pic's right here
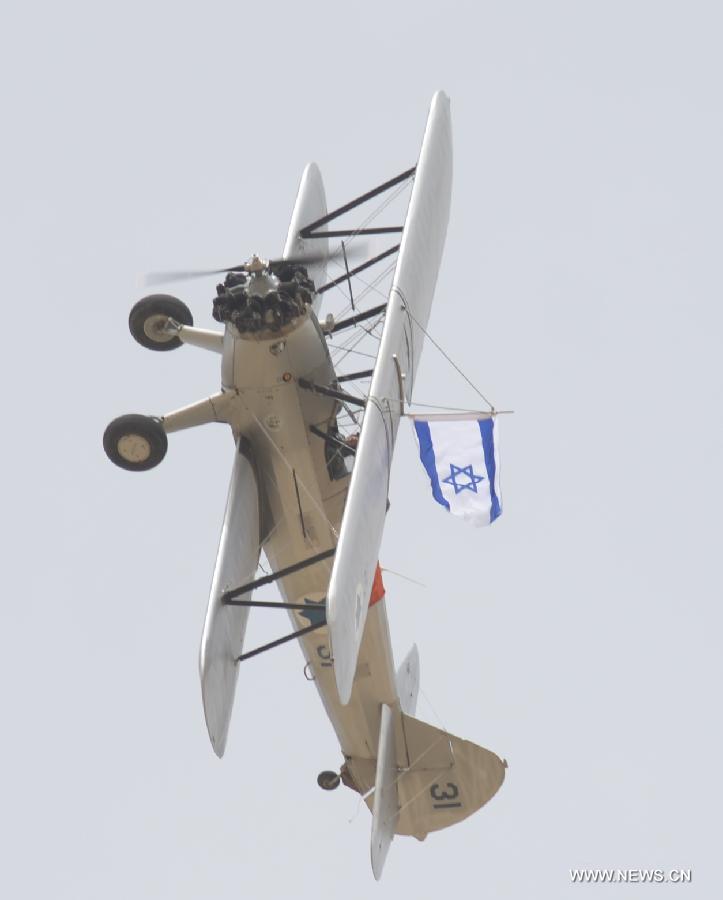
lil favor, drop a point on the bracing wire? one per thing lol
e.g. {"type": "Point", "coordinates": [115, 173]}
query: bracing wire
{"type": "Point", "coordinates": [447, 357]}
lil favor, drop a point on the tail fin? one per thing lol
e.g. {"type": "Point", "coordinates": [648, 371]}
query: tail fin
{"type": "Point", "coordinates": [408, 681]}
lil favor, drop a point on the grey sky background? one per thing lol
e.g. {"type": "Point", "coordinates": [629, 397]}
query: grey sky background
{"type": "Point", "coordinates": [579, 637]}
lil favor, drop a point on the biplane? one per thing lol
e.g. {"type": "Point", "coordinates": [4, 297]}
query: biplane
{"type": "Point", "coordinates": [314, 498]}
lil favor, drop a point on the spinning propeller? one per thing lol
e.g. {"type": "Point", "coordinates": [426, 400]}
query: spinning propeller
{"type": "Point", "coordinates": [256, 265]}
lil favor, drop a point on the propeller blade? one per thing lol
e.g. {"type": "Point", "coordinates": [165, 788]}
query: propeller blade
{"type": "Point", "coordinates": [161, 277]}
{"type": "Point", "coordinates": [310, 259]}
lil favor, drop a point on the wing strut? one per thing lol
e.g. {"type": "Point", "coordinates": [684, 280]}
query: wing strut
{"type": "Point", "coordinates": [277, 604]}
{"type": "Point", "coordinates": [354, 320]}
{"type": "Point", "coordinates": [283, 640]}
{"type": "Point", "coordinates": [330, 392]}
{"type": "Point", "coordinates": [357, 269]}
{"type": "Point", "coordinates": [228, 597]}
{"type": "Point", "coordinates": [353, 376]}
{"type": "Point", "coordinates": [311, 231]}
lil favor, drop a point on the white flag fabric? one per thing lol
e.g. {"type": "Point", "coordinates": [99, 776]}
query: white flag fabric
{"type": "Point", "coordinates": [460, 456]}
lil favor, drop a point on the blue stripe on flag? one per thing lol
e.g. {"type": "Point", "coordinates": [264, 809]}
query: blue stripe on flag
{"type": "Point", "coordinates": [426, 454]}
{"type": "Point", "coordinates": [486, 427]}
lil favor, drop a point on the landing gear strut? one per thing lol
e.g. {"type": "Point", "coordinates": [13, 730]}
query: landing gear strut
{"type": "Point", "coordinates": [148, 318]}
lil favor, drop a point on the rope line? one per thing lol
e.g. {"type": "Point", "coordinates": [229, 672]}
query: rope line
{"type": "Point", "coordinates": [446, 356]}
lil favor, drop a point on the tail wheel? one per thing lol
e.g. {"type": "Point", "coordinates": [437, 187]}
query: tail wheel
{"type": "Point", "coordinates": [148, 318]}
{"type": "Point", "coordinates": [135, 443]}
{"type": "Point", "coordinates": [328, 781]}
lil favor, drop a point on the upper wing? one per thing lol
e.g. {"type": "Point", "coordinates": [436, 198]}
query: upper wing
{"type": "Point", "coordinates": [223, 632]}
{"type": "Point", "coordinates": [410, 300]}
{"type": "Point", "coordinates": [310, 205]}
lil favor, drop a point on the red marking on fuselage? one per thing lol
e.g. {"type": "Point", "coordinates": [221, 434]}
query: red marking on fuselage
{"type": "Point", "coordinates": [377, 587]}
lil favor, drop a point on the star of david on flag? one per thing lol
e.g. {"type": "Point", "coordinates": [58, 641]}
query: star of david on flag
{"type": "Point", "coordinates": [459, 454]}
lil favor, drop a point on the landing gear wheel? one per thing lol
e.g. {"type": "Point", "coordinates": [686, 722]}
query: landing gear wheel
{"type": "Point", "coordinates": [148, 318]}
{"type": "Point", "coordinates": [136, 443]}
{"type": "Point", "coordinates": [328, 781]}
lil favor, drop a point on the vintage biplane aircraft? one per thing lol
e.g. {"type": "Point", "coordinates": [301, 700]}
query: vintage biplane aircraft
{"type": "Point", "coordinates": [313, 499]}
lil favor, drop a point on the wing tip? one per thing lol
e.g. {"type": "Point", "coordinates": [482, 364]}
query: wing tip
{"type": "Point", "coordinates": [217, 730]}
{"type": "Point", "coordinates": [346, 626]}
{"type": "Point", "coordinates": [218, 688]}
{"type": "Point", "coordinates": [378, 859]}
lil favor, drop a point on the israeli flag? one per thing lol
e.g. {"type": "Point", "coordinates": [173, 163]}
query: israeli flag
{"type": "Point", "coordinates": [460, 456]}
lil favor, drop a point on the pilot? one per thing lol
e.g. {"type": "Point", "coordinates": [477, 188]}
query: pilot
{"type": "Point", "coordinates": [352, 442]}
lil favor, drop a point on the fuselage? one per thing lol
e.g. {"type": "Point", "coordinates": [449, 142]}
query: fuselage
{"type": "Point", "coordinates": [303, 492]}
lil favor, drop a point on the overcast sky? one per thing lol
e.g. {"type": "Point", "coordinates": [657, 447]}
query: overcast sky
{"type": "Point", "coordinates": [579, 637]}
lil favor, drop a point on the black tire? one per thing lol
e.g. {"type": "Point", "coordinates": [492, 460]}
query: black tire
{"type": "Point", "coordinates": [328, 781]}
{"type": "Point", "coordinates": [135, 443]}
{"type": "Point", "coordinates": [148, 316]}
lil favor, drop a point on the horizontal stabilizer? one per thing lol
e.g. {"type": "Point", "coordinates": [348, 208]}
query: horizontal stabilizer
{"type": "Point", "coordinates": [385, 809]}
{"type": "Point", "coordinates": [225, 626]}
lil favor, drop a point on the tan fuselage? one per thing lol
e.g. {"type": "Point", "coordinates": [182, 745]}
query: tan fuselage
{"type": "Point", "coordinates": [303, 506]}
